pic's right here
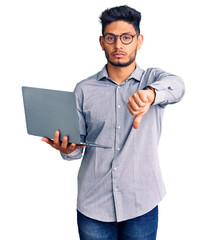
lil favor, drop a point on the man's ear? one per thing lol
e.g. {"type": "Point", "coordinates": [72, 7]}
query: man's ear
{"type": "Point", "coordinates": [140, 41]}
{"type": "Point", "coordinates": [101, 42]}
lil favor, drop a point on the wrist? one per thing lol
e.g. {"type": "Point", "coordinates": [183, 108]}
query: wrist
{"type": "Point", "coordinates": [152, 93]}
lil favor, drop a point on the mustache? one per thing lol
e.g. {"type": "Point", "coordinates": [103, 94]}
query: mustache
{"type": "Point", "coordinates": [118, 52]}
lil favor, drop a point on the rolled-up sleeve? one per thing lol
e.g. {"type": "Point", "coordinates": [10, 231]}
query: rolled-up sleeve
{"type": "Point", "coordinates": [169, 88]}
{"type": "Point", "coordinates": [77, 154]}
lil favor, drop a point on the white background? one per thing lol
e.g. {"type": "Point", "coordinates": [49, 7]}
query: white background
{"type": "Point", "coordinates": [54, 44]}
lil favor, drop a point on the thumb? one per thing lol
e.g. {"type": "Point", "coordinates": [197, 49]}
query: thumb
{"type": "Point", "coordinates": [47, 140]}
{"type": "Point", "coordinates": [137, 121]}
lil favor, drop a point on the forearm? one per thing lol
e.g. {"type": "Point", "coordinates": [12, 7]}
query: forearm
{"type": "Point", "coordinates": [169, 89]}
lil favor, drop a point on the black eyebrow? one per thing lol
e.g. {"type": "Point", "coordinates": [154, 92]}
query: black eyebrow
{"type": "Point", "coordinates": [120, 34]}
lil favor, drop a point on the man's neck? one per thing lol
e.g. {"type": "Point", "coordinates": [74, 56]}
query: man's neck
{"type": "Point", "coordinates": [120, 74]}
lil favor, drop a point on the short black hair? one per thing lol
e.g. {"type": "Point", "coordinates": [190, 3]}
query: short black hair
{"type": "Point", "coordinates": [123, 13]}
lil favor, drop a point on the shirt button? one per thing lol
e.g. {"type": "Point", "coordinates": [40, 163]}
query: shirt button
{"type": "Point", "coordinates": [118, 86]}
{"type": "Point", "coordinates": [118, 149]}
{"type": "Point", "coordinates": [119, 106]}
{"type": "Point", "coordinates": [115, 169]}
{"type": "Point", "coordinates": [118, 127]}
{"type": "Point", "coordinates": [116, 189]}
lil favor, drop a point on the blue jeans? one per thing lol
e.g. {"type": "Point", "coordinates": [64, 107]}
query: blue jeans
{"type": "Point", "coordinates": [140, 228]}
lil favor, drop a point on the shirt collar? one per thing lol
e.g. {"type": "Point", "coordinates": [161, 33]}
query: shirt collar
{"type": "Point", "coordinates": [135, 75]}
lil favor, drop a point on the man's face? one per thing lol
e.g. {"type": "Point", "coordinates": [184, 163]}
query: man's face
{"type": "Point", "coordinates": [119, 54]}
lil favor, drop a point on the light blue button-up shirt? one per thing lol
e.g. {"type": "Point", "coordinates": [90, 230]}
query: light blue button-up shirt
{"type": "Point", "coordinates": [123, 182]}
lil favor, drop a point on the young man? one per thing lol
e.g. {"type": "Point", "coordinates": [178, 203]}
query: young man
{"type": "Point", "coordinates": [121, 106]}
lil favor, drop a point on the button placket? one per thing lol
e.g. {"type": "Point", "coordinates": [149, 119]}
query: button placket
{"type": "Point", "coordinates": [115, 172]}
{"type": "Point", "coordinates": [118, 126]}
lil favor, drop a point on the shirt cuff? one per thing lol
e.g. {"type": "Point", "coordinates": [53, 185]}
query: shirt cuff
{"type": "Point", "coordinates": [160, 97]}
{"type": "Point", "coordinates": [77, 154]}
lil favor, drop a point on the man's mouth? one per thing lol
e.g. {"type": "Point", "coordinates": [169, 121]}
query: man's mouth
{"type": "Point", "coordinates": [118, 54]}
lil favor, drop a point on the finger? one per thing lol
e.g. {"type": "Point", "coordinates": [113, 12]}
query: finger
{"type": "Point", "coordinates": [131, 110]}
{"type": "Point", "coordinates": [56, 138]}
{"type": "Point", "coordinates": [68, 149]}
{"type": "Point", "coordinates": [72, 147]}
{"type": "Point", "coordinates": [64, 142]}
{"type": "Point", "coordinates": [133, 103]}
{"type": "Point", "coordinates": [47, 140]}
{"type": "Point", "coordinates": [137, 121]}
{"type": "Point", "coordinates": [134, 112]}
{"type": "Point", "coordinates": [138, 100]}
{"type": "Point", "coordinates": [143, 95]}
{"type": "Point", "coordinates": [80, 146]}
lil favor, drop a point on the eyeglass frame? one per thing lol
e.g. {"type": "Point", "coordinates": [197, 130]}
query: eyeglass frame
{"type": "Point", "coordinates": [116, 36]}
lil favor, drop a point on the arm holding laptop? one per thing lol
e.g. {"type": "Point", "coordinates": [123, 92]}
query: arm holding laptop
{"type": "Point", "coordinates": [70, 151]}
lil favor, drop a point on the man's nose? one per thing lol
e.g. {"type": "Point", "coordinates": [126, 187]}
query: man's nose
{"type": "Point", "coordinates": [118, 43]}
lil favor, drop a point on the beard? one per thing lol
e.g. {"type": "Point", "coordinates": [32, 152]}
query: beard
{"type": "Point", "coordinates": [121, 64]}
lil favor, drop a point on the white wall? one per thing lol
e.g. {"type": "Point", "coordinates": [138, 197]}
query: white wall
{"type": "Point", "coordinates": [45, 44]}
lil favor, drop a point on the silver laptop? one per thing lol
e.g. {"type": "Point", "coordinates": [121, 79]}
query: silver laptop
{"type": "Point", "coordinates": [49, 110]}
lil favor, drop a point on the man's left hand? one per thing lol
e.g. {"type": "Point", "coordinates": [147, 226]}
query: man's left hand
{"type": "Point", "coordinates": [139, 104]}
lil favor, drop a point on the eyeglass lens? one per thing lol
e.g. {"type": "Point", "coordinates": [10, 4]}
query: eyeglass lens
{"type": "Point", "coordinates": [125, 38]}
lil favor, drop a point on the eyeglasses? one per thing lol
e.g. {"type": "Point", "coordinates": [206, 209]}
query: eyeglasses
{"type": "Point", "coordinates": [125, 38]}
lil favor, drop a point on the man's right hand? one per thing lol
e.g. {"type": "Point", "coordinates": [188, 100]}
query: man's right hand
{"type": "Point", "coordinates": [63, 146]}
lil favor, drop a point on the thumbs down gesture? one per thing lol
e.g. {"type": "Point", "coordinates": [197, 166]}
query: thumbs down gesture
{"type": "Point", "coordinates": [139, 104]}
